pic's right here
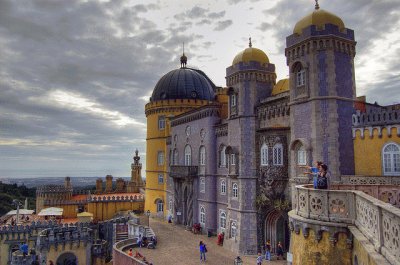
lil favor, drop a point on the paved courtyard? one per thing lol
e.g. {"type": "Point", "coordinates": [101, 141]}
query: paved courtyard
{"type": "Point", "coordinates": [176, 246]}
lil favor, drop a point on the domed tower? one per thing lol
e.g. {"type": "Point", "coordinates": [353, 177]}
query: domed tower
{"type": "Point", "coordinates": [176, 92]}
{"type": "Point", "coordinates": [320, 55]}
{"type": "Point", "coordinates": [250, 79]}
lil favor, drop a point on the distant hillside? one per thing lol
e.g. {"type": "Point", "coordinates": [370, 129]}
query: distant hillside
{"type": "Point", "coordinates": [9, 192]}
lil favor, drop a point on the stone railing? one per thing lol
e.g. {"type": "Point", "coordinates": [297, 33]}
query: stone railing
{"type": "Point", "coordinates": [121, 257]}
{"type": "Point", "coordinates": [183, 171]}
{"type": "Point", "coordinates": [378, 221]}
{"type": "Point", "coordinates": [370, 180]}
{"type": "Point", "coordinates": [377, 117]}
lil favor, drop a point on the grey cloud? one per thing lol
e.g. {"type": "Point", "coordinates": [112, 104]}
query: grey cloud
{"type": "Point", "coordinates": [264, 26]}
{"type": "Point", "coordinates": [215, 15]}
{"type": "Point", "coordinates": [222, 25]}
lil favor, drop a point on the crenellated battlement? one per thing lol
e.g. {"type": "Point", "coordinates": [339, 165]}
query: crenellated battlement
{"type": "Point", "coordinates": [377, 116]}
{"type": "Point", "coordinates": [377, 131]}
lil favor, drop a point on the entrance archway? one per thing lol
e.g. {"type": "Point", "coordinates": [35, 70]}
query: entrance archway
{"type": "Point", "coordinates": [67, 258]}
{"type": "Point", "coordinates": [276, 230]}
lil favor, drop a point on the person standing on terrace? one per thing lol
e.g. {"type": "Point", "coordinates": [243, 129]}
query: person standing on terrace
{"type": "Point", "coordinates": [313, 171]}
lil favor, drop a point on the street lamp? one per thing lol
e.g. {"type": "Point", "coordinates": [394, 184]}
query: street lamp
{"type": "Point", "coordinates": [238, 261]}
{"type": "Point", "coordinates": [148, 217]}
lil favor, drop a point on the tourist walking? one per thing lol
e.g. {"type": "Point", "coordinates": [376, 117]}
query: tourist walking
{"type": "Point", "coordinates": [268, 250]}
{"type": "Point", "coordinates": [139, 240]}
{"type": "Point", "coordinates": [280, 250]}
{"type": "Point", "coordinates": [203, 250]}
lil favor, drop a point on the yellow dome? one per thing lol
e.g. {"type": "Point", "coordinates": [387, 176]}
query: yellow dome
{"type": "Point", "coordinates": [318, 18]}
{"type": "Point", "coordinates": [251, 54]}
{"type": "Point", "coordinates": [280, 87]}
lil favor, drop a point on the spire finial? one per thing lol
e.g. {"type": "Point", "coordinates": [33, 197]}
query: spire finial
{"type": "Point", "coordinates": [183, 57]}
{"type": "Point", "coordinates": [316, 5]}
{"type": "Point", "coordinates": [250, 45]}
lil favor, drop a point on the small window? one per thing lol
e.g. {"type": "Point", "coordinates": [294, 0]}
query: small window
{"type": "Point", "coordinates": [278, 155]}
{"type": "Point", "coordinates": [223, 187]}
{"type": "Point", "coordinates": [160, 179]}
{"type": "Point", "coordinates": [233, 100]}
{"type": "Point", "coordinates": [391, 159]}
{"type": "Point", "coordinates": [264, 155]}
{"type": "Point", "coordinates": [202, 185]}
{"type": "Point", "coordinates": [202, 156]}
{"type": "Point", "coordinates": [223, 157]}
{"type": "Point", "coordinates": [222, 220]}
{"type": "Point", "coordinates": [188, 155]}
{"type": "Point", "coordinates": [202, 215]}
{"type": "Point", "coordinates": [233, 229]}
{"type": "Point", "coordinates": [160, 158]}
{"type": "Point", "coordinates": [233, 159]}
{"type": "Point", "coordinates": [301, 78]}
{"type": "Point", "coordinates": [301, 156]}
{"type": "Point", "coordinates": [235, 190]}
{"type": "Point", "coordinates": [161, 122]}
{"type": "Point", "coordinates": [175, 157]}
{"type": "Point", "coordinates": [160, 206]}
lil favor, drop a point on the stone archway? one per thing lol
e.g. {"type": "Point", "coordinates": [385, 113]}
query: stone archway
{"type": "Point", "coordinates": [67, 258]}
{"type": "Point", "coordinates": [276, 230]}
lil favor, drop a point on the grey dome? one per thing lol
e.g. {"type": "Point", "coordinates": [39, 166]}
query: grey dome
{"type": "Point", "coordinates": [184, 83]}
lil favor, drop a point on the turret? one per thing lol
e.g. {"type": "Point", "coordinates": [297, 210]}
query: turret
{"type": "Point", "coordinates": [109, 179]}
{"type": "Point", "coordinates": [99, 186]}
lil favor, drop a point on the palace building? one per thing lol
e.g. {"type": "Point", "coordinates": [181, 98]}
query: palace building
{"type": "Point", "coordinates": [228, 157]}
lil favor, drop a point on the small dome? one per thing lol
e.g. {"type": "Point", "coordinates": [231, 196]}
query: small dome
{"type": "Point", "coordinates": [251, 54]}
{"type": "Point", "coordinates": [318, 18]}
{"type": "Point", "coordinates": [184, 83]}
{"type": "Point", "coordinates": [280, 87]}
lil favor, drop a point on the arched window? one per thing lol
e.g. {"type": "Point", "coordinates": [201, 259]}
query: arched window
{"type": "Point", "coordinates": [391, 159]}
{"type": "Point", "coordinates": [160, 206]}
{"type": "Point", "coordinates": [301, 156]}
{"type": "Point", "coordinates": [188, 155]}
{"type": "Point", "coordinates": [235, 190]}
{"type": "Point", "coordinates": [202, 215]}
{"type": "Point", "coordinates": [222, 220]}
{"type": "Point", "coordinates": [278, 154]}
{"type": "Point", "coordinates": [175, 157]}
{"type": "Point", "coordinates": [222, 157]}
{"type": "Point", "coordinates": [202, 156]}
{"type": "Point", "coordinates": [202, 185]}
{"type": "Point", "coordinates": [223, 187]}
{"type": "Point", "coordinates": [233, 229]}
{"type": "Point", "coordinates": [264, 155]}
{"type": "Point", "coordinates": [160, 158]}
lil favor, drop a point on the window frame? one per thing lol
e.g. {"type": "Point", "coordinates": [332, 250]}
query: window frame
{"type": "Point", "coordinates": [223, 157]}
{"type": "Point", "coordinates": [394, 160]}
{"type": "Point", "coordinates": [161, 122]}
{"type": "Point", "coordinates": [202, 185]}
{"type": "Point", "coordinates": [233, 100]}
{"type": "Point", "coordinates": [233, 227]}
{"type": "Point", "coordinates": [233, 159]}
{"type": "Point", "coordinates": [303, 151]}
{"type": "Point", "coordinates": [300, 77]}
{"type": "Point", "coordinates": [188, 155]}
{"type": "Point", "coordinates": [223, 187]}
{"type": "Point", "coordinates": [264, 155]}
{"type": "Point", "coordinates": [222, 220]}
{"type": "Point", "coordinates": [160, 158]}
{"type": "Point", "coordinates": [160, 205]}
{"type": "Point", "coordinates": [235, 190]}
{"type": "Point", "coordinates": [202, 156]}
{"type": "Point", "coordinates": [202, 215]}
{"type": "Point", "coordinates": [160, 177]}
{"type": "Point", "coordinates": [278, 147]}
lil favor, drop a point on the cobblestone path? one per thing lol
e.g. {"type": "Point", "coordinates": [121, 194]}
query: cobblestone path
{"type": "Point", "coordinates": [176, 246]}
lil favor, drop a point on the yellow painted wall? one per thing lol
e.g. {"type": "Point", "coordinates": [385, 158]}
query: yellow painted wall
{"type": "Point", "coordinates": [156, 141]}
{"type": "Point", "coordinates": [309, 251]}
{"type": "Point", "coordinates": [79, 251]}
{"type": "Point", "coordinates": [368, 151]}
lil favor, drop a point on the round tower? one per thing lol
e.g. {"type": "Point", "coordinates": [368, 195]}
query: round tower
{"type": "Point", "coordinates": [178, 91]}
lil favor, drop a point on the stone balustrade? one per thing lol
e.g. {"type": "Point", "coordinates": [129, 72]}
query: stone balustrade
{"type": "Point", "coordinates": [183, 171]}
{"type": "Point", "coordinates": [378, 221]}
{"type": "Point", "coordinates": [121, 257]}
{"type": "Point", "coordinates": [370, 180]}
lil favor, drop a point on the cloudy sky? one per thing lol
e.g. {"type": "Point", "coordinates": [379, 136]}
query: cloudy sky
{"type": "Point", "coordinates": [75, 75]}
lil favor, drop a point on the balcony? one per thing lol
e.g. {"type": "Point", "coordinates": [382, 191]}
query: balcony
{"type": "Point", "coordinates": [376, 220]}
{"type": "Point", "coordinates": [183, 171]}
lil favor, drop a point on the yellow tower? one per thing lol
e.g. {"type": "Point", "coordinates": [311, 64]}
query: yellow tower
{"type": "Point", "coordinates": [178, 91]}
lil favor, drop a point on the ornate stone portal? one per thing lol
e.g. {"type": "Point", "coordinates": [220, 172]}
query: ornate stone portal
{"type": "Point", "coordinates": [183, 177]}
